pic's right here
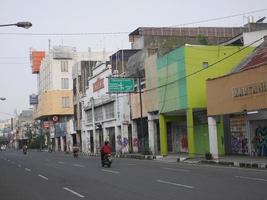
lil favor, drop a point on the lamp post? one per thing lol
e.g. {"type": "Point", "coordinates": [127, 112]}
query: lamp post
{"type": "Point", "coordinates": [19, 24]}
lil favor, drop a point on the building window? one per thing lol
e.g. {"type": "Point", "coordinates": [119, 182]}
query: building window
{"type": "Point", "coordinates": [89, 116]}
{"type": "Point", "coordinates": [65, 102]}
{"type": "Point", "coordinates": [109, 111]}
{"type": "Point", "coordinates": [98, 114]}
{"type": "Point", "coordinates": [64, 83]}
{"type": "Point", "coordinates": [64, 66]}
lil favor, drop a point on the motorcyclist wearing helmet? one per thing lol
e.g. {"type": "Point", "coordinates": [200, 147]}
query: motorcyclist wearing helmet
{"type": "Point", "coordinates": [105, 150]}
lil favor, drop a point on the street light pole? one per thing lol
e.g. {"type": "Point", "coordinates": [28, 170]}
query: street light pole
{"type": "Point", "coordinates": [19, 24]}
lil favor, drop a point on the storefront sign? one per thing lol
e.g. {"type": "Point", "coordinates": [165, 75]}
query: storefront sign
{"type": "Point", "coordinates": [253, 89]}
{"type": "Point", "coordinates": [99, 84]}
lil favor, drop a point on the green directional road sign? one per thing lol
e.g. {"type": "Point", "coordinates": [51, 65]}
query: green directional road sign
{"type": "Point", "coordinates": [120, 85]}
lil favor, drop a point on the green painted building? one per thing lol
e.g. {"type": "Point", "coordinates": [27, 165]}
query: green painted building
{"type": "Point", "coordinates": [182, 75]}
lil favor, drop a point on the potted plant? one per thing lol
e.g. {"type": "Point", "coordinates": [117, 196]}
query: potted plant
{"type": "Point", "coordinates": [208, 156]}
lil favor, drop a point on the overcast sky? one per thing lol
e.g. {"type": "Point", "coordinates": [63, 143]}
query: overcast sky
{"type": "Point", "coordinates": [99, 16]}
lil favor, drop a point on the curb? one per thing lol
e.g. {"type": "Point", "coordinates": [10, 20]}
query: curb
{"type": "Point", "coordinates": [140, 157]}
{"type": "Point", "coordinates": [236, 164]}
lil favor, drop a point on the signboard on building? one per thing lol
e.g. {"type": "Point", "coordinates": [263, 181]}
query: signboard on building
{"type": "Point", "coordinates": [99, 84]}
{"type": "Point", "coordinates": [120, 85]}
{"type": "Point", "coordinates": [33, 99]}
{"type": "Point", "coordinates": [249, 90]}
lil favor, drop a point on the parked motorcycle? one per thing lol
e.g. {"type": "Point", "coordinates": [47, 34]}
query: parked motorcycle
{"type": "Point", "coordinates": [107, 160]}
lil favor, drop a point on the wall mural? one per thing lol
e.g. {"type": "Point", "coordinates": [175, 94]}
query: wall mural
{"type": "Point", "coordinates": [122, 142]}
{"type": "Point", "coordinates": [239, 138]}
{"type": "Point", "coordinates": [259, 142]}
{"type": "Point", "coordinates": [239, 145]}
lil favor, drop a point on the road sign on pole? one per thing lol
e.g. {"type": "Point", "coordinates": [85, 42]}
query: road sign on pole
{"type": "Point", "coordinates": [120, 85]}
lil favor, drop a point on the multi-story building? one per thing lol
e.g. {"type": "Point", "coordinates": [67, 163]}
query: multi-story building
{"type": "Point", "coordinates": [240, 97]}
{"type": "Point", "coordinates": [22, 127]}
{"type": "Point", "coordinates": [55, 97]}
{"type": "Point", "coordinates": [82, 70]}
{"type": "Point", "coordinates": [154, 43]}
{"type": "Point", "coordinates": [106, 116]}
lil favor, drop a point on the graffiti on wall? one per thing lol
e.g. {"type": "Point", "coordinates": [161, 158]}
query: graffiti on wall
{"type": "Point", "coordinates": [184, 143]}
{"type": "Point", "coordinates": [123, 142]}
{"type": "Point", "coordinates": [239, 145]}
{"type": "Point", "coordinates": [136, 142]}
{"type": "Point", "coordinates": [259, 141]}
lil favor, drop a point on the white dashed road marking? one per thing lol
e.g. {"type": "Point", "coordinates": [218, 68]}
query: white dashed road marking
{"type": "Point", "coordinates": [175, 169]}
{"type": "Point", "coordinates": [41, 176]}
{"type": "Point", "coordinates": [73, 192]}
{"type": "Point", "coordinates": [176, 184]}
{"type": "Point", "coordinates": [110, 171]}
{"type": "Point", "coordinates": [251, 178]}
{"type": "Point", "coordinates": [27, 169]}
{"type": "Point", "coordinates": [77, 165]}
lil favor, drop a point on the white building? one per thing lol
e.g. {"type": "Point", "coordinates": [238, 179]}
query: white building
{"type": "Point", "coordinates": [105, 116]}
{"type": "Point", "coordinates": [81, 71]}
{"type": "Point", "coordinates": [54, 107]}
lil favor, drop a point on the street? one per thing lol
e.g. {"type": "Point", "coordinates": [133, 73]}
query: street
{"type": "Point", "coordinates": [43, 175]}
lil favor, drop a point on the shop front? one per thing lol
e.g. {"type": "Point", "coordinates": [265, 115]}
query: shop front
{"type": "Point", "coordinates": [241, 98]}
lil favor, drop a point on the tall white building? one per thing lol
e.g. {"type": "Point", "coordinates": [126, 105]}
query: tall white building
{"type": "Point", "coordinates": [105, 116]}
{"type": "Point", "coordinates": [54, 107]}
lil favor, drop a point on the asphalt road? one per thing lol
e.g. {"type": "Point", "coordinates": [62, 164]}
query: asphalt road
{"type": "Point", "coordinates": [49, 176]}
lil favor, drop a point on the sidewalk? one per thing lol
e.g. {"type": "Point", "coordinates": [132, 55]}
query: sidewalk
{"type": "Point", "coordinates": [229, 160]}
{"type": "Point", "coordinates": [239, 161]}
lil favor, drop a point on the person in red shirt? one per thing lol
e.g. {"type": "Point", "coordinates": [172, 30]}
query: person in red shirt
{"type": "Point", "coordinates": [105, 150]}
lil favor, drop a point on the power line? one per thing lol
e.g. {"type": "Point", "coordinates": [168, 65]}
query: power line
{"type": "Point", "coordinates": [67, 34]}
{"type": "Point", "coordinates": [198, 71]}
{"type": "Point", "coordinates": [220, 18]}
{"type": "Point", "coordinates": [10, 57]}
{"type": "Point", "coordinates": [14, 63]}
{"type": "Point", "coordinates": [125, 32]}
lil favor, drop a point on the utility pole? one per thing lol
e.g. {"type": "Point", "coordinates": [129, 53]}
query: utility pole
{"type": "Point", "coordinates": [141, 112]}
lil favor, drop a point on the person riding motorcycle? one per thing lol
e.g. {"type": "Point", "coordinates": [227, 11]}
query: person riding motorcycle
{"type": "Point", "coordinates": [24, 149]}
{"type": "Point", "coordinates": [106, 149]}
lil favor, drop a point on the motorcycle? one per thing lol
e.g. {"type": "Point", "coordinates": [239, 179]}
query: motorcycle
{"type": "Point", "coordinates": [107, 160]}
{"type": "Point", "coordinates": [24, 151]}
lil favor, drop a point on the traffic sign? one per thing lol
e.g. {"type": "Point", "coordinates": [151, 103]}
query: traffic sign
{"type": "Point", "coordinates": [120, 85]}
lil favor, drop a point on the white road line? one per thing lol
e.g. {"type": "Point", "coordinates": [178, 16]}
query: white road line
{"type": "Point", "coordinates": [176, 184]}
{"type": "Point", "coordinates": [110, 171]}
{"type": "Point", "coordinates": [41, 176]}
{"type": "Point", "coordinates": [251, 178]}
{"type": "Point", "coordinates": [174, 169]}
{"type": "Point", "coordinates": [77, 165]}
{"type": "Point", "coordinates": [128, 164]}
{"type": "Point", "coordinates": [73, 192]}
{"type": "Point", "coordinates": [60, 162]}
{"type": "Point", "coordinates": [8, 160]}
{"type": "Point", "coordinates": [27, 169]}
{"type": "Point", "coordinates": [19, 165]}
